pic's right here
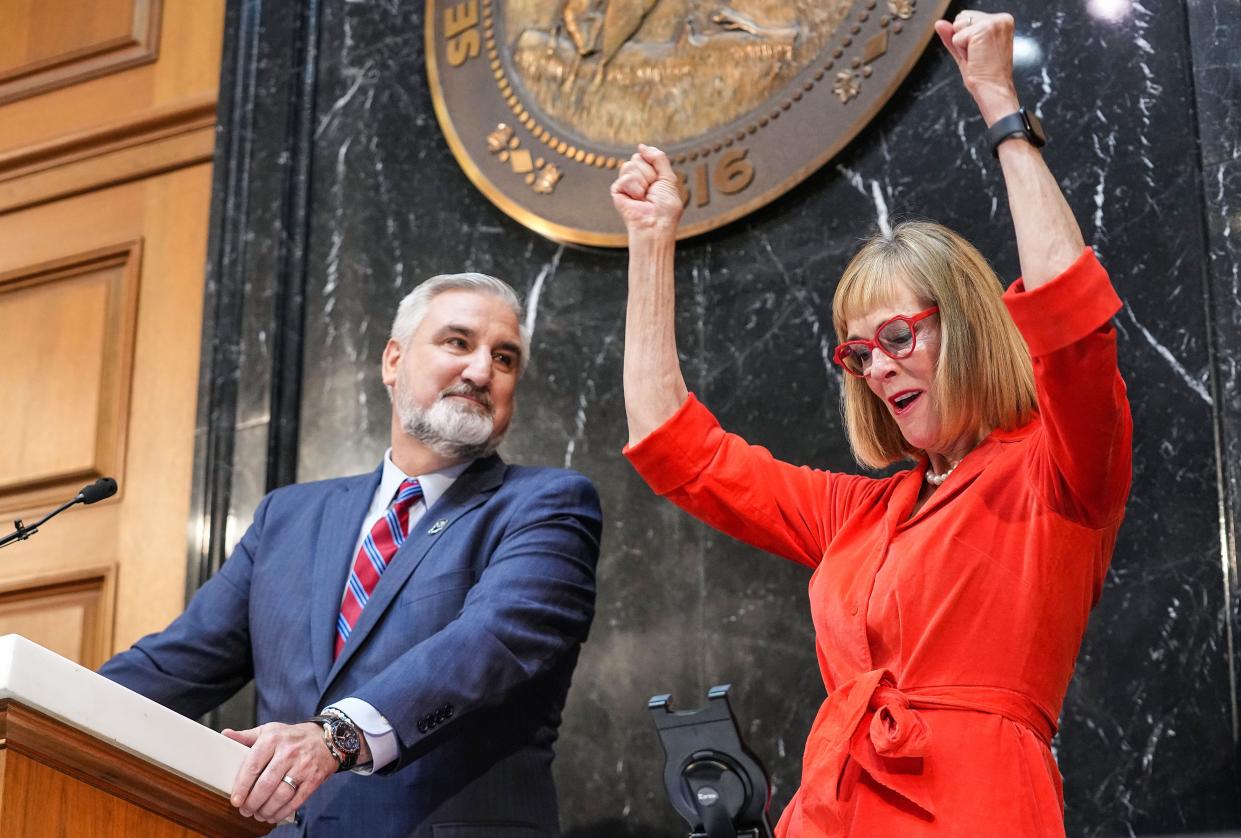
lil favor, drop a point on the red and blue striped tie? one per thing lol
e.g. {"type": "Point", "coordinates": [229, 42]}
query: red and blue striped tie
{"type": "Point", "coordinates": [377, 549]}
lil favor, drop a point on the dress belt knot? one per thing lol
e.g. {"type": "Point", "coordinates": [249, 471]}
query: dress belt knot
{"type": "Point", "coordinates": [871, 726]}
{"type": "Point", "coordinates": [896, 729]}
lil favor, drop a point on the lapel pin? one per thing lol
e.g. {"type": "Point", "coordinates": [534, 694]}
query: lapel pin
{"type": "Point", "coordinates": [438, 527]}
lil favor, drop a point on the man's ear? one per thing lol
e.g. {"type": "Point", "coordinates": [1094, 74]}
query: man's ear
{"type": "Point", "coordinates": [387, 367]}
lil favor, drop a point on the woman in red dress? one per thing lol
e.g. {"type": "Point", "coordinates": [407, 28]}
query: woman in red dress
{"type": "Point", "coordinates": [949, 600]}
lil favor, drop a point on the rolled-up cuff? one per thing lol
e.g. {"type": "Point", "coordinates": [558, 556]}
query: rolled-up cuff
{"type": "Point", "coordinates": [1066, 309]}
{"type": "Point", "coordinates": [678, 450]}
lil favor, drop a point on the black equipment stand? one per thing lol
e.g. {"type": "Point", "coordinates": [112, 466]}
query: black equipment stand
{"type": "Point", "coordinates": [101, 489]}
{"type": "Point", "coordinates": [713, 780]}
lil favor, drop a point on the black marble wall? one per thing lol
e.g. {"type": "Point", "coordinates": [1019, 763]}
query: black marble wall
{"type": "Point", "coordinates": [336, 193]}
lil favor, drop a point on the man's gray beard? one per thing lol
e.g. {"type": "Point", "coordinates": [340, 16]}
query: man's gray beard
{"type": "Point", "coordinates": [447, 428]}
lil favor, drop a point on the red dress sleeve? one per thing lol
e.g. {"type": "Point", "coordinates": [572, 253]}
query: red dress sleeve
{"type": "Point", "coordinates": [1082, 468]}
{"type": "Point", "coordinates": [742, 489]}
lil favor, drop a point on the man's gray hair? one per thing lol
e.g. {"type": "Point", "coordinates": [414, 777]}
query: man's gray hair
{"type": "Point", "coordinates": [413, 308]}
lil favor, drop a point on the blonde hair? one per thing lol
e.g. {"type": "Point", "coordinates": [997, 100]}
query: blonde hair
{"type": "Point", "coordinates": [983, 376]}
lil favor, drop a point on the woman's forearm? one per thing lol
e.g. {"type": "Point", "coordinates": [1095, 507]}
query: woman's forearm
{"type": "Point", "coordinates": [1049, 239]}
{"type": "Point", "coordinates": [645, 195]}
{"type": "Point", "coordinates": [654, 386]}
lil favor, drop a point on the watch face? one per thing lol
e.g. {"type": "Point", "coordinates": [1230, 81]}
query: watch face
{"type": "Point", "coordinates": [1034, 126]}
{"type": "Point", "coordinates": [345, 737]}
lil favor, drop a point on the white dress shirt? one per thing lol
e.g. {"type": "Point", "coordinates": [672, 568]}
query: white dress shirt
{"type": "Point", "coordinates": [380, 737]}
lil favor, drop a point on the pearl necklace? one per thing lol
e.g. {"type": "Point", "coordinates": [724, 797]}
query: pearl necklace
{"type": "Point", "coordinates": [938, 479]}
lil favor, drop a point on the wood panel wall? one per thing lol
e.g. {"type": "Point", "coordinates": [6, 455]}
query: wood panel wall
{"type": "Point", "coordinates": [107, 117]}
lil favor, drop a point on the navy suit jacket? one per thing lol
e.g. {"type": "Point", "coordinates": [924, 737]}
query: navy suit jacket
{"type": "Point", "coordinates": [467, 645]}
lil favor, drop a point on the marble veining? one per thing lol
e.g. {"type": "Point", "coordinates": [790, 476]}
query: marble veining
{"type": "Point", "coordinates": [536, 290]}
{"type": "Point", "coordinates": [1194, 383]}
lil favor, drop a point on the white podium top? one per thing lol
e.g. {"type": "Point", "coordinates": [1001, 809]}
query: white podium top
{"type": "Point", "coordinates": [46, 682]}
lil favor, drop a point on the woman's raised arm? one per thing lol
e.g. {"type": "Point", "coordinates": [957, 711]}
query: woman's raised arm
{"type": "Point", "coordinates": [646, 196]}
{"type": "Point", "coordinates": [1084, 462]}
{"type": "Point", "coordinates": [1048, 238]}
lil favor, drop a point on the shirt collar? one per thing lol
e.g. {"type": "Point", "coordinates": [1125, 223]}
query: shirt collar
{"type": "Point", "coordinates": [434, 484]}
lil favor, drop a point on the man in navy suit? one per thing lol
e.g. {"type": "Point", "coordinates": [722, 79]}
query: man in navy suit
{"type": "Point", "coordinates": [411, 632]}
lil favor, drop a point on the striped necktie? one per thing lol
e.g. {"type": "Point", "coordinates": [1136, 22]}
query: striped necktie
{"type": "Point", "coordinates": [377, 549]}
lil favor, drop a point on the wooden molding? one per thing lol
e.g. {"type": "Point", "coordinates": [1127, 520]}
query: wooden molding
{"type": "Point", "coordinates": [94, 588]}
{"type": "Point", "coordinates": [143, 129]}
{"type": "Point", "coordinates": [116, 367]}
{"type": "Point", "coordinates": [88, 61]}
{"type": "Point", "coordinates": [157, 141]}
{"type": "Point", "coordinates": [120, 773]}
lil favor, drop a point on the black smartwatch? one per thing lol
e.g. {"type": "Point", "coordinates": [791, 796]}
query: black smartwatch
{"type": "Point", "coordinates": [341, 736]}
{"type": "Point", "coordinates": [1019, 124]}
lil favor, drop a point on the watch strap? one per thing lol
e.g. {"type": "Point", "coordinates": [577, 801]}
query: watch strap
{"type": "Point", "coordinates": [1020, 123]}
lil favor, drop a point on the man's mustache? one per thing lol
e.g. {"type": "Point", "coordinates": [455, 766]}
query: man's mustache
{"type": "Point", "coordinates": [479, 394]}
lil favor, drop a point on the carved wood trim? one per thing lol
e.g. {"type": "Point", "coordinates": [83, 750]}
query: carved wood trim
{"type": "Point", "coordinates": [116, 372]}
{"type": "Point", "coordinates": [97, 645]}
{"type": "Point", "coordinates": [158, 123]}
{"type": "Point", "coordinates": [52, 743]}
{"type": "Point", "coordinates": [160, 140]}
{"type": "Point", "coordinates": [141, 46]}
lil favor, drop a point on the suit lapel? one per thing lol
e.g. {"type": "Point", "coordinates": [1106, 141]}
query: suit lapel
{"type": "Point", "coordinates": [467, 492]}
{"type": "Point", "coordinates": [343, 514]}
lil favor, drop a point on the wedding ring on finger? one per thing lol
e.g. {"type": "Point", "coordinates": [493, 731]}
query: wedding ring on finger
{"type": "Point", "coordinates": [290, 782]}
{"type": "Point", "coordinates": [967, 20]}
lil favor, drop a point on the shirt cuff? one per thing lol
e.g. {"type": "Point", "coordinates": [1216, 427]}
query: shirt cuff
{"type": "Point", "coordinates": [1065, 309]}
{"type": "Point", "coordinates": [678, 450]}
{"type": "Point", "coordinates": [380, 737]}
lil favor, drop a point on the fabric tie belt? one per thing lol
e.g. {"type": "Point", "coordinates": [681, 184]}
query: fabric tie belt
{"type": "Point", "coordinates": [869, 726]}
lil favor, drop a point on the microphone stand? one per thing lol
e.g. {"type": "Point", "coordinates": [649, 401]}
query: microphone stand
{"type": "Point", "coordinates": [103, 488]}
{"type": "Point", "coordinates": [22, 532]}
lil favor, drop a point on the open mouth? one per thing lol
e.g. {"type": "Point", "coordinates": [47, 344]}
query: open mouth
{"type": "Point", "coordinates": [902, 403]}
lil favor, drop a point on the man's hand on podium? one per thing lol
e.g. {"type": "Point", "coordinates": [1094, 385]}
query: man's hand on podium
{"type": "Point", "coordinates": [285, 765]}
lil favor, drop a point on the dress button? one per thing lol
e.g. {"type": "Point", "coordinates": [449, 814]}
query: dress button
{"type": "Point", "coordinates": [853, 611]}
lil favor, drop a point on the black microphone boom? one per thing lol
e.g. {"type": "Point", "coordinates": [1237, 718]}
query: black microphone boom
{"type": "Point", "coordinates": [104, 487]}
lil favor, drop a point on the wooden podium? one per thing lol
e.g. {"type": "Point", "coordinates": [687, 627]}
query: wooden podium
{"type": "Point", "coordinates": [83, 756]}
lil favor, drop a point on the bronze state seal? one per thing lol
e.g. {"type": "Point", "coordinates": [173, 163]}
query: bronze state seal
{"type": "Point", "coordinates": [541, 100]}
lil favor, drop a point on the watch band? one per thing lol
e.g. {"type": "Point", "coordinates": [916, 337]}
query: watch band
{"type": "Point", "coordinates": [331, 719]}
{"type": "Point", "coordinates": [1021, 123]}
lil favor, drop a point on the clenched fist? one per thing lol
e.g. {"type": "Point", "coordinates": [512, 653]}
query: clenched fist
{"type": "Point", "coordinates": [982, 46]}
{"type": "Point", "coordinates": [645, 193]}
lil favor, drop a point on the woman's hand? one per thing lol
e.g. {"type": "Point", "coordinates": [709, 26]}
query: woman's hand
{"type": "Point", "coordinates": [982, 46]}
{"type": "Point", "coordinates": [645, 193]}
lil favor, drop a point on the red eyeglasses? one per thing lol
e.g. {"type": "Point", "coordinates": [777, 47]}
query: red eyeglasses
{"type": "Point", "coordinates": [896, 337]}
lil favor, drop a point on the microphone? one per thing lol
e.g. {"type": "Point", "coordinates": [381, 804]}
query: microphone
{"type": "Point", "coordinates": [104, 487]}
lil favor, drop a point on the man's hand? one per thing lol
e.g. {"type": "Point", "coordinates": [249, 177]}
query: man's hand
{"type": "Point", "coordinates": [645, 193]}
{"type": "Point", "coordinates": [982, 46]}
{"type": "Point", "coordinates": [278, 751]}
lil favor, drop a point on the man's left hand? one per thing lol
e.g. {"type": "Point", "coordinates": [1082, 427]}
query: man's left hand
{"type": "Point", "coordinates": [278, 751]}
